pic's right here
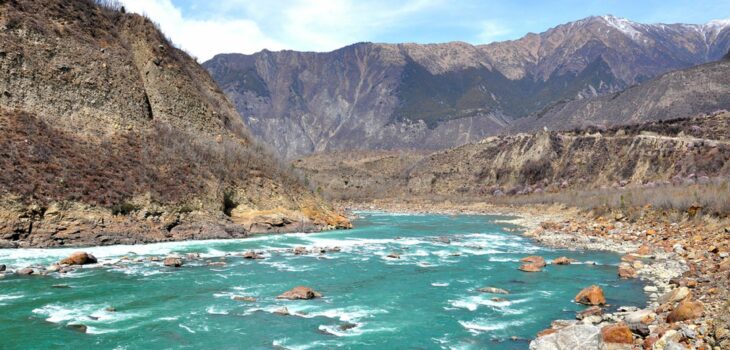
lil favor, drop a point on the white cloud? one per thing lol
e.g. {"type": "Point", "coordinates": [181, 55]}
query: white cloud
{"type": "Point", "coordinates": [315, 25]}
{"type": "Point", "coordinates": [204, 38]}
{"type": "Point", "coordinates": [492, 31]}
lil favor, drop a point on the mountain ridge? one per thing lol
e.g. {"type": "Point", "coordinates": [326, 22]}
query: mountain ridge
{"type": "Point", "coordinates": [435, 96]}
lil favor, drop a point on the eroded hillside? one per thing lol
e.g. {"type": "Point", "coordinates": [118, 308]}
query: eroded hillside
{"type": "Point", "coordinates": [109, 134]}
{"type": "Point", "coordinates": [649, 154]}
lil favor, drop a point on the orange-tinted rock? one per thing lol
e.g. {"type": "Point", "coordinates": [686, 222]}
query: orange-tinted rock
{"type": "Point", "coordinates": [649, 342]}
{"type": "Point", "coordinates": [686, 310]}
{"type": "Point", "coordinates": [79, 258]}
{"type": "Point", "coordinates": [530, 268]}
{"type": "Point", "coordinates": [172, 261]}
{"type": "Point", "coordinates": [626, 271]}
{"type": "Point", "coordinates": [301, 292]}
{"type": "Point", "coordinates": [535, 260]}
{"type": "Point", "coordinates": [592, 295]}
{"type": "Point", "coordinates": [617, 334]}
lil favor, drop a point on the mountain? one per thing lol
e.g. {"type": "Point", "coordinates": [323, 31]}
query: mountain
{"type": "Point", "coordinates": [683, 93]}
{"type": "Point", "coordinates": [391, 96]}
{"type": "Point", "coordinates": [109, 134]}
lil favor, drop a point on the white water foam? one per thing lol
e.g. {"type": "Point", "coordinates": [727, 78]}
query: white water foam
{"type": "Point", "coordinates": [476, 327]}
{"type": "Point", "coordinates": [440, 284]}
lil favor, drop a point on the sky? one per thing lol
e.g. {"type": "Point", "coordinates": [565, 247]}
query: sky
{"type": "Point", "coordinates": [205, 28]}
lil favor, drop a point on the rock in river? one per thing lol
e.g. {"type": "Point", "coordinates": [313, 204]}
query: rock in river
{"type": "Point", "coordinates": [535, 260]}
{"type": "Point", "coordinates": [493, 290]}
{"type": "Point", "coordinates": [252, 255]}
{"type": "Point", "coordinates": [301, 292]}
{"type": "Point", "coordinates": [592, 295]}
{"type": "Point", "coordinates": [78, 258]}
{"type": "Point", "coordinates": [172, 261]}
{"type": "Point", "coordinates": [25, 272]}
{"type": "Point", "coordinates": [563, 260]}
{"type": "Point", "coordinates": [530, 268]}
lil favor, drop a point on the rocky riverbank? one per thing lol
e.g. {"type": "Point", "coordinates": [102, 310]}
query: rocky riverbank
{"type": "Point", "coordinates": [682, 258]}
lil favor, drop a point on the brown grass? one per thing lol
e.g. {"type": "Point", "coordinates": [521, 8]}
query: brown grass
{"type": "Point", "coordinates": [713, 198]}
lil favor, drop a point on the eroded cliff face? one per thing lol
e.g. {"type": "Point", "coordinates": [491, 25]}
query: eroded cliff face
{"type": "Point", "coordinates": [109, 134]}
{"type": "Point", "coordinates": [648, 154]}
{"type": "Point", "coordinates": [408, 96]}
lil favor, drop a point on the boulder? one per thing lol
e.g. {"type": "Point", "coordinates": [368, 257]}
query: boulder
{"type": "Point", "coordinates": [571, 337]}
{"type": "Point", "coordinates": [282, 311]}
{"type": "Point", "coordinates": [617, 334]}
{"type": "Point", "coordinates": [77, 327]}
{"type": "Point", "coordinates": [530, 268]}
{"type": "Point", "coordinates": [172, 261]}
{"type": "Point", "coordinates": [626, 271]}
{"type": "Point", "coordinates": [592, 295]}
{"type": "Point", "coordinates": [393, 256]}
{"type": "Point", "coordinates": [563, 261]}
{"type": "Point", "coordinates": [252, 255]}
{"type": "Point", "coordinates": [535, 260]}
{"type": "Point", "coordinates": [674, 295]}
{"type": "Point", "coordinates": [25, 272]}
{"type": "Point", "coordinates": [300, 292]}
{"type": "Point", "coordinates": [244, 298]}
{"type": "Point", "coordinates": [493, 290]}
{"type": "Point", "coordinates": [686, 310]}
{"type": "Point", "coordinates": [300, 250]}
{"type": "Point", "coordinates": [3, 267]}
{"type": "Point", "coordinates": [78, 258]}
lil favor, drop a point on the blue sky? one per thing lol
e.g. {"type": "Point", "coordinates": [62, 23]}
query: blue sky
{"type": "Point", "coordinates": [205, 28]}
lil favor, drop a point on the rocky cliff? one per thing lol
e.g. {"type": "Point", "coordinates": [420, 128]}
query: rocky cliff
{"type": "Point", "coordinates": [379, 96]}
{"type": "Point", "coordinates": [109, 134]}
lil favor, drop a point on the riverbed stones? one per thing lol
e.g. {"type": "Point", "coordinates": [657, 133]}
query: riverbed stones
{"type": "Point", "coordinates": [300, 293]}
{"type": "Point", "coordinates": [535, 260]}
{"type": "Point", "coordinates": [592, 295]}
{"type": "Point", "coordinates": [686, 310]}
{"type": "Point", "coordinates": [563, 260]}
{"type": "Point", "coordinates": [79, 258]}
{"type": "Point", "coordinates": [493, 290]}
{"type": "Point", "coordinates": [172, 261]}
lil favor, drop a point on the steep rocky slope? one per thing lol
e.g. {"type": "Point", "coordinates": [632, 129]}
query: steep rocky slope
{"type": "Point", "coordinates": [380, 96]}
{"type": "Point", "coordinates": [109, 134]}
{"type": "Point", "coordinates": [647, 154]}
{"type": "Point", "coordinates": [701, 89]}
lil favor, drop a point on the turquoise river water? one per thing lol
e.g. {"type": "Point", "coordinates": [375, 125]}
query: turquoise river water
{"type": "Point", "coordinates": [427, 299]}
